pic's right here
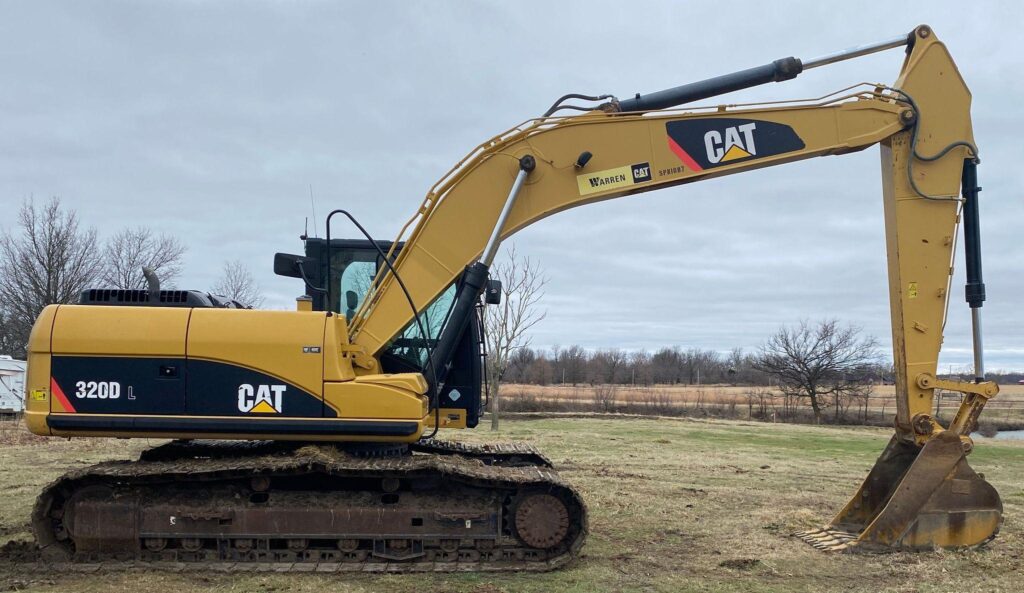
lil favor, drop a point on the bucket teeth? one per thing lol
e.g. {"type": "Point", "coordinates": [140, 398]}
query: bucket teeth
{"type": "Point", "coordinates": [828, 540]}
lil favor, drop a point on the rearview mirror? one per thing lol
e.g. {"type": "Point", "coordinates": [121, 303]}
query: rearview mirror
{"type": "Point", "coordinates": [286, 264]}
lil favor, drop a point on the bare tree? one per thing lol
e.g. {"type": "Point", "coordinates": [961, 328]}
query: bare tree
{"type": "Point", "coordinates": [608, 366]}
{"type": "Point", "coordinates": [507, 324]}
{"type": "Point", "coordinates": [47, 259]}
{"type": "Point", "coordinates": [571, 363]}
{"type": "Point", "coordinates": [606, 396]}
{"type": "Point", "coordinates": [130, 250]}
{"type": "Point", "coordinates": [817, 361]}
{"type": "Point", "coordinates": [640, 368]}
{"type": "Point", "coordinates": [236, 282]}
{"type": "Point", "coordinates": [12, 341]}
{"type": "Point", "coordinates": [666, 365]}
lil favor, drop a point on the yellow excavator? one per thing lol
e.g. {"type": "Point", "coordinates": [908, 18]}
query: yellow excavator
{"type": "Point", "coordinates": [307, 438]}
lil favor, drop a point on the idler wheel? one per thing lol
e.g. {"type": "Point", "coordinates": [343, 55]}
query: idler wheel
{"type": "Point", "coordinates": [541, 520]}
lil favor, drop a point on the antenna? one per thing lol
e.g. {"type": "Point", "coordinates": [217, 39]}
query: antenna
{"type": "Point", "coordinates": [312, 205]}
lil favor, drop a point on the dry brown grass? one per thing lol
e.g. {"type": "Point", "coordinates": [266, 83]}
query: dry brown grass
{"type": "Point", "coordinates": [1005, 412]}
{"type": "Point", "coordinates": [680, 505]}
{"type": "Point", "coordinates": [13, 432]}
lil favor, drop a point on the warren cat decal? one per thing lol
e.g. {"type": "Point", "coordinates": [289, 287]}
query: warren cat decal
{"type": "Point", "coordinates": [712, 142]}
{"type": "Point", "coordinates": [618, 177]}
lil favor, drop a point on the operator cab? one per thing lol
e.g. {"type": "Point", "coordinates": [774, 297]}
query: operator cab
{"type": "Point", "coordinates": [354, 264]}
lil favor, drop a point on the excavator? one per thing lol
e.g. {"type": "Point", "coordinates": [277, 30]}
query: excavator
{"type": "Point", "coordinates": [307, 439]}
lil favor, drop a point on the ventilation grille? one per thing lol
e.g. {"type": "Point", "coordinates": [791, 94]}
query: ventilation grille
{"type": "Point", "coordinates": [111, 295]}
{"type": "Point", "coordinates": [141, 298]}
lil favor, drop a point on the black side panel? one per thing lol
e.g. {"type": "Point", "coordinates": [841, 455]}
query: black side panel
{"type": "Point", "coordinates": [231, 425]}
{"type": "Point", "coordinates": [174, 386]}
{"type": "Point", "coordinates": [220, 389]}
{"type": "Point", "coordinates": [462, 388]}
{"type": "Point", "coordinates": [116, 385]}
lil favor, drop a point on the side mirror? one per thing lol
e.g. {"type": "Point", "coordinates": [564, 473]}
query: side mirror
{"type": "Point", "coordinates": [351, 299]}
{"type": "Point", "coordinates": [286, 264]}
{"type": "Point", "coordinates": [492, 292]}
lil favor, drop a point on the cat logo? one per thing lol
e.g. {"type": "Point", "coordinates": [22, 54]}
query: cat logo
{"type": "Point", "coordinates": [737, 144]}
{"type": "Point", "coordinates": [641, 172]}
{"type": "Point", "coordinates": [707, 142]}
{"type": "Point", "coordinates": [261, 399]}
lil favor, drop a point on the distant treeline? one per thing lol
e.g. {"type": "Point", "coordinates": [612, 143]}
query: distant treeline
{"type": "Point", "coordinates": [575, 365]}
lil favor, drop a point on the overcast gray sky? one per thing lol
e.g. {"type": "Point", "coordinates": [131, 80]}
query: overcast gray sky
{"type": "Point", "coordinates": [211, 121]}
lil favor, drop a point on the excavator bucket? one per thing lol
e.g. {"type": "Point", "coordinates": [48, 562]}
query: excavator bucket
{"type": "Point", "coordinates": [915, 498]}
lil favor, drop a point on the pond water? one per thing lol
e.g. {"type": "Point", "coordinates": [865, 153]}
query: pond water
{"type": "Point", "coordinates": [1011, 434]}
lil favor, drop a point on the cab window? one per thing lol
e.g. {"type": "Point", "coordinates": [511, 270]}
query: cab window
{"type": "Point", "coordinates": [410, 345]}
{"type": "Point", "coordinates": [353, 272]}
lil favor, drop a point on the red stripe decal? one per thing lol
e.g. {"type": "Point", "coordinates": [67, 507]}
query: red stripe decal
{"type": "Point", "coordinates": [683, 155]}
{"type": "Point", "coordinates": [59, 395]}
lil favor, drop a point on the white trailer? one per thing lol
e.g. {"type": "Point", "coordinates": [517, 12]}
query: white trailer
{"type": "Point", "coordinates": [12, 386]}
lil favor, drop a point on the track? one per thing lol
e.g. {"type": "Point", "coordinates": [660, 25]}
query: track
{"type": "Point", "coordinates": [277, 507]}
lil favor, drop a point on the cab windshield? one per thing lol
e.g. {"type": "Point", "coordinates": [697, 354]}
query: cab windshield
{"type": "Point", "coordinates": [411, 346]}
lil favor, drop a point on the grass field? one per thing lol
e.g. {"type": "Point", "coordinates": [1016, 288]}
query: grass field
{"type": "Point", "coordinates": [675, 505]}
{"type": "Point", "coordinates": [1005, 412]}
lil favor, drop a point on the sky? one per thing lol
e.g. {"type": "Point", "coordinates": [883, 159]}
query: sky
{"type": "Point", "coordinates": [213, 121]}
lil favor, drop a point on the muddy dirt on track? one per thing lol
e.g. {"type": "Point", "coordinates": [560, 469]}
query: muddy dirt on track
{"type": "Point", "coordinates": [471, 508]}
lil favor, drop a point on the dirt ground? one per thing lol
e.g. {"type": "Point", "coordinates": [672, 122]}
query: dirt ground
{"type": "Point", "coordinates": [675, 505]}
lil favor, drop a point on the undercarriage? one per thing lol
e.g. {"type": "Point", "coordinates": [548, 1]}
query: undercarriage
{"type": "Point", "coordinates": [433, 506]}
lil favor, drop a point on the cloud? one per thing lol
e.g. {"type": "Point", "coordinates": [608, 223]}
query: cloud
{"type": "Point", "coordinates": [212, 121]}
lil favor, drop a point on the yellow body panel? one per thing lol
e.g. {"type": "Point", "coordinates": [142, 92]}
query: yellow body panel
{"type": "Point", "coordinates": [277, 343]}
{"type": "Point", "coordinates": [337, 364]}
{"type": "Point", "coordinates": [135, 331]}
{"type": "Point", "coordinates": [369, 399]}
{"type": "Point", "coordinates": [37, 379]}
{"type": "Point", "coordinates": [408, 381]}
{"type": "Point", "coordinates": [450, 418]}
